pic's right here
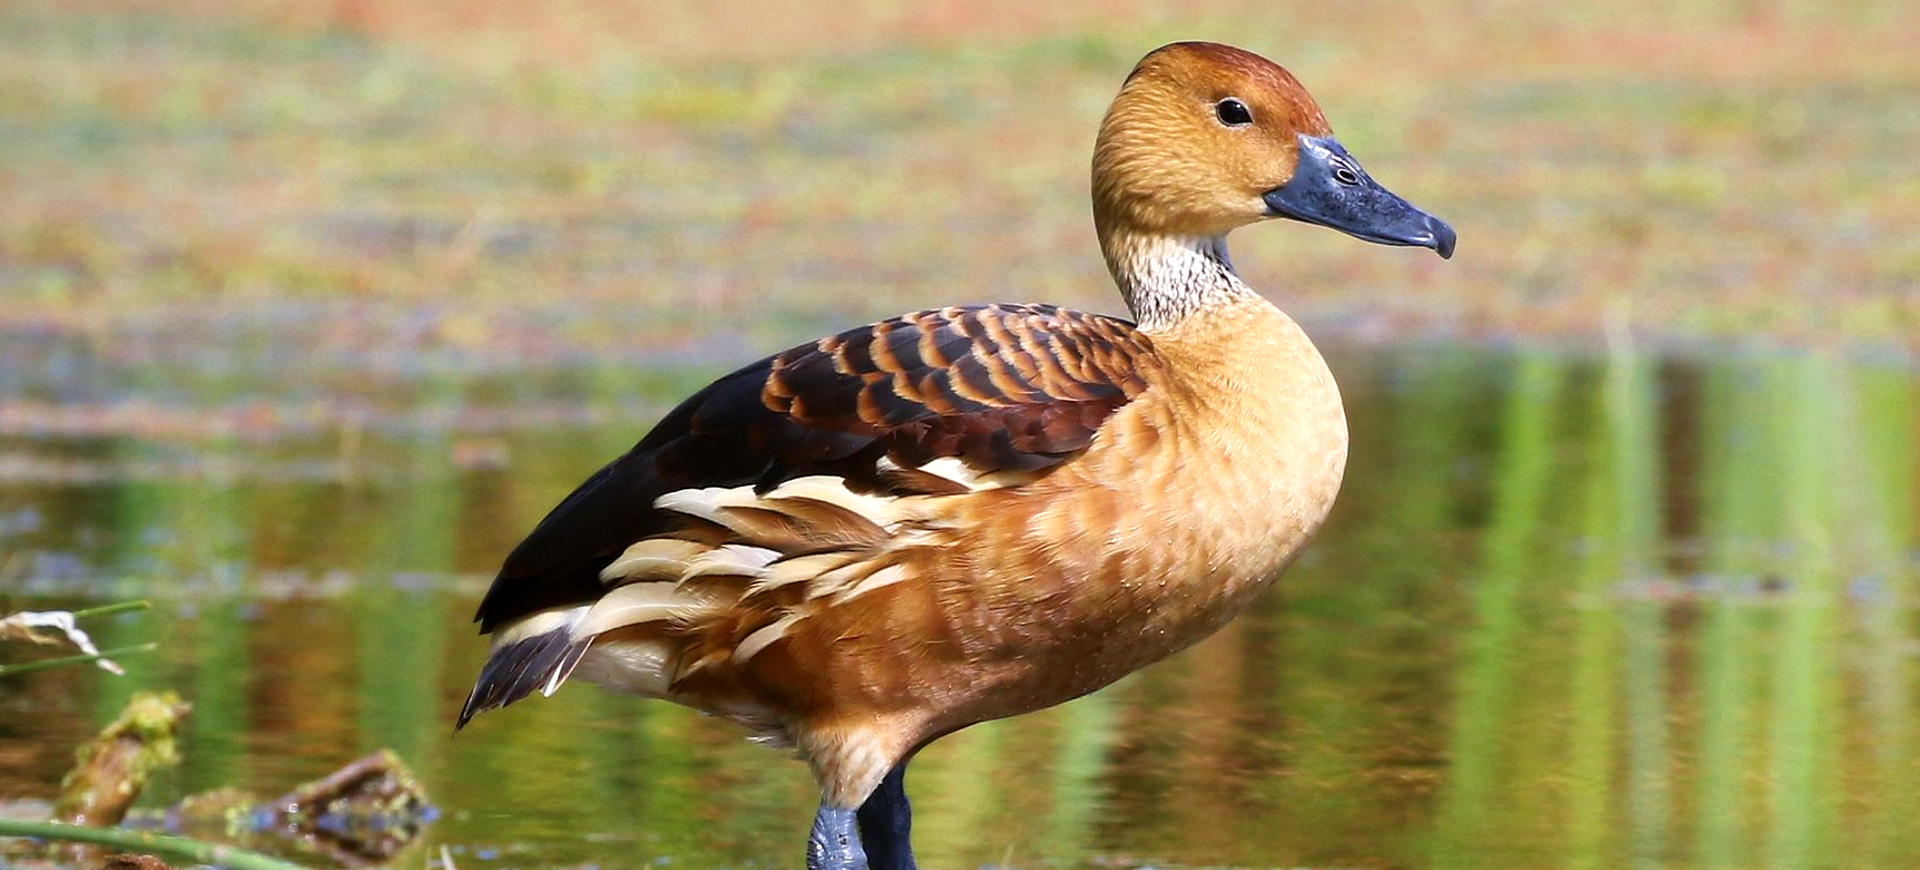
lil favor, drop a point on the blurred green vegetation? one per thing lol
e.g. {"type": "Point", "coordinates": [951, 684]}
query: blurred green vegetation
{"type": "Point", "coordinates": [1625, 611]}
{"type": "Point", "coordinates": [626, 173]}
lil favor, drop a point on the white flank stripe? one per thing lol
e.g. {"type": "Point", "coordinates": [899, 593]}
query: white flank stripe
{"type": "Point", "coordinates": [731, 560]}
{"type": "Point", "coordinates": [800, 569]}
{"type": "Point", "coordinates": [704, 503]}
{"type": "Point", "coordinates": [956, 470]}
{"type": "Point", "coordinates": [652, 559]}
{"type": "Point", "coordinates": [833, 490]}
{"type": "Point", "coordinates": [884, 577]}
{"type": "Point", "coordinates": [951, 468]}
{"type": "Point", "coordinates": [753, 643]}
{"type": "Point", "coordinates": [538, 623]}
{"type": "Point", "coordinates": [638, 603]}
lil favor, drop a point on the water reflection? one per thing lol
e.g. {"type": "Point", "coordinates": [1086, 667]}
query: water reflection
{"type": "Point", "coordinates": [1568, 613]}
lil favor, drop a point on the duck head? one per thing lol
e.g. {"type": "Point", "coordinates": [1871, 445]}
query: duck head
{"type": "Point", "coordinates": [1204, 138]}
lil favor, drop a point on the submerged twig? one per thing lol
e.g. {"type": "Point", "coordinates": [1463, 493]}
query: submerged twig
{"type": "Point", "coordinates": [361, 814]}
{"type": "Point", "coordinates": [197, 851]}
{"type": "Point", "coordinates": [358, 816]}
{"type": "Point", "coordinates": [133, 861]}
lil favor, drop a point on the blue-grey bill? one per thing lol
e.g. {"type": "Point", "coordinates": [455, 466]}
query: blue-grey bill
{"type": "Point", "coordinates": [1330, 188]}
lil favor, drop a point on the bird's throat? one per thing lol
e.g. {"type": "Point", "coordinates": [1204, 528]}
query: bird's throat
{"type": "Point", "coordinates": [1167, 278]}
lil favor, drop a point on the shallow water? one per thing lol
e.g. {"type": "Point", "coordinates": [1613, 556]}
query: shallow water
{"type": "Point", "coordinates": [1570, 612]}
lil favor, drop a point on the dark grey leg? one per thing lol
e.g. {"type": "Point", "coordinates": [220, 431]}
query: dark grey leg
{"type": "Point", "coordinates": [884, 822]}
{"type": "Point", "coordinates": [834, 844]}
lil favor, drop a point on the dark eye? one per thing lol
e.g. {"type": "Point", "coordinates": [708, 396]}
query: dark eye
{"type": "Point", "coordinates": [1233, 113]}
{"type": "Point", "coordinates": [1345, 174]}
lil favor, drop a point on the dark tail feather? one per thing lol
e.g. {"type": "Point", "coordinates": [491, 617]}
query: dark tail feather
{"type": "Point", "coordinates": [521, 668]}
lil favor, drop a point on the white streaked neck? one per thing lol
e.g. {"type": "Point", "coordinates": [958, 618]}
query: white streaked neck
{"type": "Point", "coordinates": [1168, 278]}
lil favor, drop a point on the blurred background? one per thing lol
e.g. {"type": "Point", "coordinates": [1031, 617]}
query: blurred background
{"type": "Point", "coordinates": [308, 311]}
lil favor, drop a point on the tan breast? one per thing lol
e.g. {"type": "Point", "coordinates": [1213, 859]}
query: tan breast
{"type": "Point", "coordinates": [1190, 501]}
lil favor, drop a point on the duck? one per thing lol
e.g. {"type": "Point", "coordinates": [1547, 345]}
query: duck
{"type": "Point", "coordinates": [858, 545]}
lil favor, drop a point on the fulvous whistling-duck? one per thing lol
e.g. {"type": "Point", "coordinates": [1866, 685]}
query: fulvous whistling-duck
{"type": "Point", "coordinates": [864, 543]}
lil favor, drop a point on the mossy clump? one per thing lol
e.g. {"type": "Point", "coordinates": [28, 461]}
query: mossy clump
{"type": "Point", "coordinates": [110, 771]}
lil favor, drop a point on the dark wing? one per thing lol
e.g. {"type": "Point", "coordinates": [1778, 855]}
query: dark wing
{"type": "Point", "coordinates": [1002, 387]}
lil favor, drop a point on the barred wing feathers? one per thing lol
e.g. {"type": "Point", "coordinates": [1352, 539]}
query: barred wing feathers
{"type": "Point", "coordinates": [883, 410]}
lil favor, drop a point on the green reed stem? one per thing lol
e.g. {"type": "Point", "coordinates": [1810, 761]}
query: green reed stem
{"type": "Point", "coordinates": [197, 851]}
{"type": "Point", "coordinates": [110, 609]}
{"type": "Point", "coordinates": [43, 664]}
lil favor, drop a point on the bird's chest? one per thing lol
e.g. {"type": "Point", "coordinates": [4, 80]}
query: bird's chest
{"type": "Point", "coordinates": [1255, 443]}
{"type": "Point", "coordinates": [1191, 500]}
{"type": "Point", "coordinates": [1248, 479]}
